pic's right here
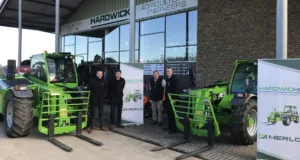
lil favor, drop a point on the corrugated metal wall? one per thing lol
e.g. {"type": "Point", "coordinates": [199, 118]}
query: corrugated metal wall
{"type": "Point", "coordinates": [92, 8]}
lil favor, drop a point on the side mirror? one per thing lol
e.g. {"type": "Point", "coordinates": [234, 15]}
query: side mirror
{"type": "Point", "coordinates": [11, 69]}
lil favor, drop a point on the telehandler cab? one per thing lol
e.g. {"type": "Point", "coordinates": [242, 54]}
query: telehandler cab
{"type": "Point", "coordinates": [50, 93]}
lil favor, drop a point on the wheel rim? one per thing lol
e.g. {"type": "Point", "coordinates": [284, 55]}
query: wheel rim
{"type": "Point", "coordinates": [252, 122]}
{"type": "Point", "coordinates": [288, 120]}
{"type": "Point", "coordinates": [9, 114]}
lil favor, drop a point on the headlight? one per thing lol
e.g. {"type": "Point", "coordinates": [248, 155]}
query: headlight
{"type": "Point", "coordinates": [20, 88]}
{"type": "Point", "coordinates": [240, 95]}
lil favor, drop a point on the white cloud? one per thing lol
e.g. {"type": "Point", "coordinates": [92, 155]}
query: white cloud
{"type": "Point", "coordinates": [34, 42]}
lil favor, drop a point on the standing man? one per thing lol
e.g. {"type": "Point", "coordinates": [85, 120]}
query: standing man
{"type": "Point", "coordinates": [157, 85]}
{"type": "Point", "coordinates": [171, 87]}
{"type": "Point", "coordinates": [98, 88]}
{"type": "Point", "coordinates": [115, 89]}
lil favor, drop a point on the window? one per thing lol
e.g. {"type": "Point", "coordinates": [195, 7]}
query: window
{"type": "Point", "coordinates": [192, 55]}
{"type": "Point", "coordinates": [176, 54]}
{"type": "Point", "coordinates": [124, 56]}
{"type": "Point", "coordinates": [70, 49]}
{"type": "Point", "coordinates": [38, 68]}
{"type": "Point", "coordinates": [153, 26]}
{"type": "Point", "coordinates": [62, 44]}
{"type": "Point", "coordinates": [193, 27]}
{"type": "Point", "coordinates": [69, 40]}
{"type": "Point", "coordinates": [81, 44]}
{"type": "Point", "coordinates": [112, 57]}
{"type": "Point", "coordinates": [112, 41]}
{"type": "Point", "coordinates": [152, 48]}
{"type": "Point", "coordinates": [125, 35]}
{"type": "Point", "coordinates": [94, 39]}
{"type": "Point", "coordinates": [94, 49]}
{"type": "Point", "coordinates": [61, 70]}
{"type": "Point", "coordinates": [176, 30]}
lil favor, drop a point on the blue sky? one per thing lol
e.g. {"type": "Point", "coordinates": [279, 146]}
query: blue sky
{"type": "Point", "coordinates": [34, 42]}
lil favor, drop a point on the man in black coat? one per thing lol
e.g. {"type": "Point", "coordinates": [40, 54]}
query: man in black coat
{"type": "Point", "coordinates": [115, 89]}
{"type": "Point", "coordinates": [98, 88]}
{"type": "Point", "coordinates": [171, 87]}
{"type": "Point", "coordinates": [157, 87]}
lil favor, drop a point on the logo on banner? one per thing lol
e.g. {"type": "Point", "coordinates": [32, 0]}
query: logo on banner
{"type": "Point", "coordinates": [278, 138]}
{"type": "Point", "coordinates": [162, 6]}
{"type": "Point", "coordinates": [279, 90]}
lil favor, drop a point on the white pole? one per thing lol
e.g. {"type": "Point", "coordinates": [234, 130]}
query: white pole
{"type": "Point", "coordinates": [20, 37]}
{"type": "Point", "coordinates": [57, 17]}
{"type": "Point", "coordinates": [281, 29]}
{"type": "Point", "coordinates": [132, 31]}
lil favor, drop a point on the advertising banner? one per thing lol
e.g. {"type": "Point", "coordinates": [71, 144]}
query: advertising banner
{"type": "Point", "coordinates": [278, 101]}
{"type": "Point", "coordinates": [150, 68]}
{"type": "Point", "coordinates": [133, 107]}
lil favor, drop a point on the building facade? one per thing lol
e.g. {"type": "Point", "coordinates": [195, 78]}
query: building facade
{"type": "Point", "coordinates": [209, 33]}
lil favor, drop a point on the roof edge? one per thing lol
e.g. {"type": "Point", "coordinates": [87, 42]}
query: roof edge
{"type": "Point", "coordinates": [3, 5]}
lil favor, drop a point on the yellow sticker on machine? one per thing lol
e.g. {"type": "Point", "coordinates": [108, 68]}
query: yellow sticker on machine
{"type": "Point", "coordinates": [63, 112]}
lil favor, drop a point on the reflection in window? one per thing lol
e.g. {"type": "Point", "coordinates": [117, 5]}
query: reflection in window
{"type": "Point", "coordinates": [69, 40]}
{"type": "Point", "coordinates": [94, 49]}
{"type": "Point", "coordinates": [152, 48]}
{"type": "Point", "coordinates": [125, 34]}
{"type": "Point", "coordinates": [192, 53]}
{"type": "Point", "coordinates": [124, 56]}
{"type": "Point", "coordinates": [176, 30]}
{"type": "Point", "coordinates": [94, 39]}
{"type": "Point", "coordinates": [78, 58]}
{"type": "Point", "coordinates": [70, 49]}
{"type": "Point", "coordinates": [81, 44]}
{"type": "Point", "coordinates": [153, 26]}
{"type": "Point", "coordinates": [176, 54]}
{"type": "Point", "coordinates": [193, 27]}
{"type": "Point", "coordinates": [112, 57]}
{"type": "Point", "coordinates": [112, 41]}
{"type": "Point", "coordinates": [38, 68]}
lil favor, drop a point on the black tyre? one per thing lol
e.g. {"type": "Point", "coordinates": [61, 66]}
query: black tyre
{"type": "Point", "coordinates": [18, 116]}
{"type": "Point", "coordinates": [286, 121]}
{"type": "Point", "coordinates": [241, 131]}
{"type": "Point", "coordinates": [1, 117]}
{"type": "Point", "coordinates": [135, 98]}
{"type": "Point", "coordinates": [297, 119]}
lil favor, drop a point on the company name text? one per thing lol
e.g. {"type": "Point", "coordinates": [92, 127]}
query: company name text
{"type": "Point", "coordinates": [110, 16]}
{"type": "Point", "coordinates": [279, 138]}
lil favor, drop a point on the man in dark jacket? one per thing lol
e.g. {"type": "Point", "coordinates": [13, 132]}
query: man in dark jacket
{"type": "Point", "coordinates": [171, 87]}
{"type": "Point", "coordinates": [98, 88]}
{"type": "Point", "coordinates": [115, 89]}
{"type": "Point", "coordinates": [157, 86]}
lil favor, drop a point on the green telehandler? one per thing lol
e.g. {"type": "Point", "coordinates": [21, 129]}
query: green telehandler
{"type": "Point", "coordinates": [49, 94]}
{"type": "Point", "coordinates": [275, 117]}
{"type": "Point", "coordinates": [289, 114]}
{"type": "Point", "coordinates": [234, 104]}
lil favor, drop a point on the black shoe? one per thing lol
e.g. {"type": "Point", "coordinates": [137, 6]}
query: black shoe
{"type": "Point", "coordinates": [166, 129]}
{"type": "Point", "coordinates": [159, 124]}
{"type": "Point", "coordinates": [154, 122]}
{"type": "Point", "coordinates": [172, 131]}
{"type": "Point", "coordinates": [112, 126]}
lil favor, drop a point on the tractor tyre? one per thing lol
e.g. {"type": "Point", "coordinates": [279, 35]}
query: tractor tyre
{"type": "Point", "coordinates": [240, 132]}
{"type": "Point", "coordinates": [297, 119]}
{"type": "Point", "coordinates": [135, 98]}
{"type": "Point", "coordinates": [286, 121]}
{"type": "Point", "coordinates": [18, 116]}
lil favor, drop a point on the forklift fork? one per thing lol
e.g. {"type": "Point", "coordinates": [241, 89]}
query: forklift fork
{"type": "Point", "coordinates": [78, 134]}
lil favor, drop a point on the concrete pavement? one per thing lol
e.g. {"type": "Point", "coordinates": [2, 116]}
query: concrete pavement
{"type": "Point", "coordinates": [116, 147]}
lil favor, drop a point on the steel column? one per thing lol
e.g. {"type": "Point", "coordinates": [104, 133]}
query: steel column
{"type": "Point", "coordinates": [132, 31]}
{"type": "Point", "coordinates": [57, 20]}
{"type": "Point", "coordinates": [20, 36]}
{"type": "Point", "coordinates": [281, 29]}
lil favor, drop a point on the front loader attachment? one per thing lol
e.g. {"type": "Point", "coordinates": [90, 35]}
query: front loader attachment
{"type": "Point", "coordinates": [194, 114]}
{"type": "Point", "coordinates": [63, 112]}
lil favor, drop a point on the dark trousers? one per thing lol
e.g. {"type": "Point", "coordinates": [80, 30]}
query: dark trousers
{"type": "Point", "coordinates": [171, 117]}
{"type": "Point", "coordinates": [97, 113]}
{"type": "Point", "coordinates": [116, 106]}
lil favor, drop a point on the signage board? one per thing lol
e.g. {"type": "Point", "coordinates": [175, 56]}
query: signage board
{"type": "Point", "coordinates": [150, 68]}
{"type": "Point", "coordinates": [278, 109]}
{"type": "Point", "coordinates": [152, 8]}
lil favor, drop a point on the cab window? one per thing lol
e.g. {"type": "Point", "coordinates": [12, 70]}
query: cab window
{"type": "Point", "coordinates": [38, 68]}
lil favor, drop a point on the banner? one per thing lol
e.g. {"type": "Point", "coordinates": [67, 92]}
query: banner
{"type": "Point", "coordinates": [133, 107]}
{"type": "Point", "coordinates": [150, 68]}
{"type": "Point", "coordinates": [278, 101]}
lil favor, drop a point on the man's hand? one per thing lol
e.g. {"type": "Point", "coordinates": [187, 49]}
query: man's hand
{"type": "Point", "coordinates": [173, 101]}
{"type": "Point", "coordinates": [163, 83]}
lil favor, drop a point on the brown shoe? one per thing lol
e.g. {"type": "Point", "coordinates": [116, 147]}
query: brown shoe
{"type": "Point", "coordinates": [103, 129]}
{"type": "Point", "coordinates": [91, 130]}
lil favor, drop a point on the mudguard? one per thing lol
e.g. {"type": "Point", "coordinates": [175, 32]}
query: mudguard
{"type": "Point", "coordinates": [237, 101]}
{"type": "Point", "coordinates": [22, 94]}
